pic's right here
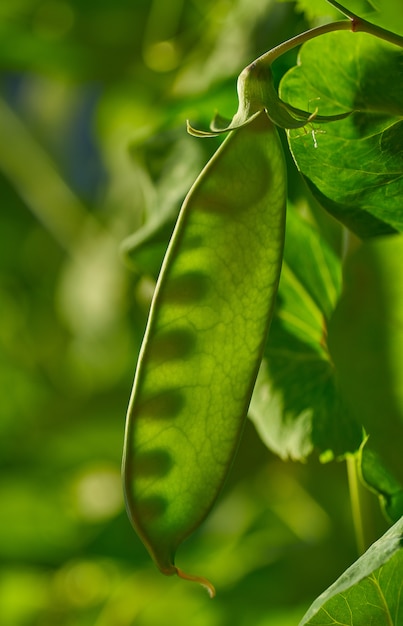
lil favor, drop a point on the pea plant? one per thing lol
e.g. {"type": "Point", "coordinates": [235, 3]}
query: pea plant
{"type": "Point", "coordinates": [248, 321]}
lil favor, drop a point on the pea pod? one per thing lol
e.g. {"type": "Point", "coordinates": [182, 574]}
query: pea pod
{"type": "Point", "coordinates": [204, 339]}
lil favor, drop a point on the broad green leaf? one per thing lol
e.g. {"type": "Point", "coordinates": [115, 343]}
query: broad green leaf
{"type": "Point", "coordinates": [353, 166]}
{"type": "Point", "coordinates": [296, 406]}
{"type": "Point", "coordinates": [378, 478]}
{"type": "Point", "coordinates": [369, 592]}
{"type": "Point", "coordinates": [366, 343]}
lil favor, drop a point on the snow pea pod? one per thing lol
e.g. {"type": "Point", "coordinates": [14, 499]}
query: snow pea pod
{"type": "Point", "coordinates": [204, 339]}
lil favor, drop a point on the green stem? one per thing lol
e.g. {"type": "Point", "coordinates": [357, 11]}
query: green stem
{"type": "Point", "coordinates": [355, 500]}
{"type": "Point", "coordinates": [343, 10]}
{"type": "Point", "coordinates": [354, 24]}
{"type": "Point", "coordinates": [285, 46]}
{"type": "Point", "coordinates": [361, 25]}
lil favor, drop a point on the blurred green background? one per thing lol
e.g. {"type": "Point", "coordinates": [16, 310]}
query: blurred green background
{"type": "Point", "coordinates": [93, 101]}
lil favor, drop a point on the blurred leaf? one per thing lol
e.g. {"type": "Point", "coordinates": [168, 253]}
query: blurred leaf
{"type": "Point", "coordinates": [384, 13]}
{"type": "Point", "coordinates": [24, 593]}
{"type": "Point", "coordinates": [296, 405]}
{"type": "Point", "coordinates": [369, 592]}
{"type": "Point", "coordinates": [354, 166]}
{"type": "Point", "coordinates": [318, 10]}
{"type": "Point", "coordinates": [389, 15]}
{"type": "Point", "coordinates": [67, 37]}
{"type": "Point", "coordinates": [378, 478]}
{"type": "Point", "coordinates": [50, 535]}
{"type": "Point", "coordinates": [224, 45]}
{"type": "Point", "coordinates": [145, 249]}
{"type": "Point", "coordinates": [366, 343]}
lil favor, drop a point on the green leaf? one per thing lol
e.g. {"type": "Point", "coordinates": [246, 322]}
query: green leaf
{"type": "Point", "coordinates": [353, 166]}
{"type": "Point", "coordinates": [379, 479]}
{"type": "Point", "coordinates": [366, 343]}
{"type": "Point", "coordinates": [296, 406]}
{"type": "Point", "coordinates": [368, 592]}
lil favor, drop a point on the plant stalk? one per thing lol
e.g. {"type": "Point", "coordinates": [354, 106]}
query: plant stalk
{"type": "Point", "coordinates": [273, 54]}
{"type": "Point", "coordinates": [356, 503]}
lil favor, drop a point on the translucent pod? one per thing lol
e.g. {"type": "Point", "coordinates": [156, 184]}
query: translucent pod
{"type": "Point", "coordinates": [204, 339]}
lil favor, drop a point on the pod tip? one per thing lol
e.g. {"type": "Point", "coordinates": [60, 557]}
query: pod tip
{"type": "Point", "coordinates": [197, 579]}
